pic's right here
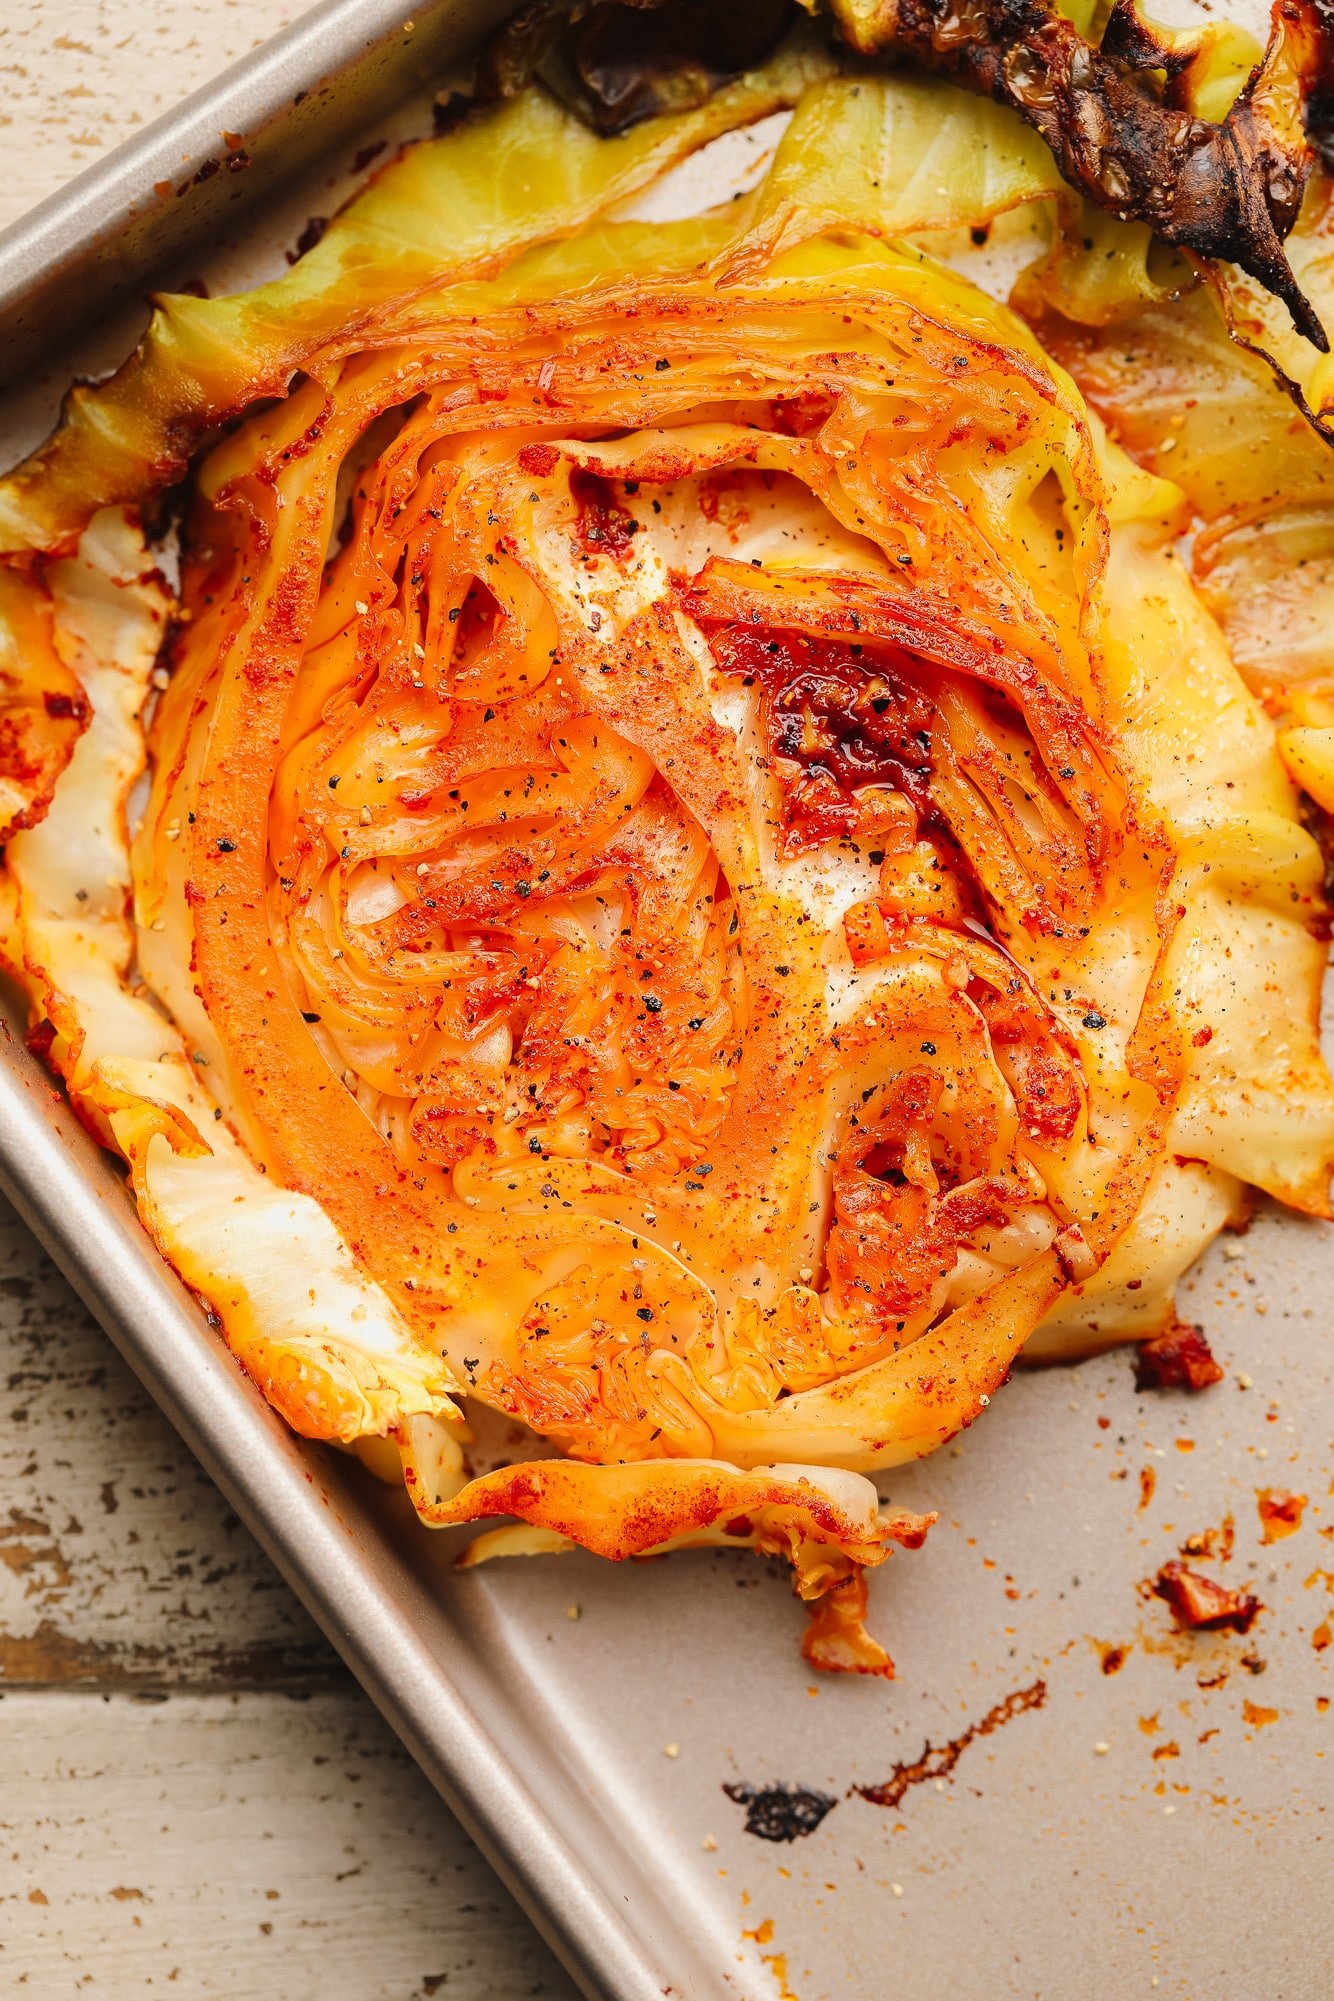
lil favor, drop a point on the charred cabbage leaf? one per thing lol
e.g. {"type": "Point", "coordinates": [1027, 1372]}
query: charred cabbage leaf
{"type": "Point", "coordinates": [1225, 183]}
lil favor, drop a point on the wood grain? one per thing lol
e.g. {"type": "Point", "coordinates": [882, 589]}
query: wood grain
{"type": "Point", "coordinates": [121, 1567]}
{"type": "Point", "coordinates": [194, 1790]}
{"type": "Point", "coordinates": [237, 1847]}
{"type": "Point", "coordinates": [78, 76]}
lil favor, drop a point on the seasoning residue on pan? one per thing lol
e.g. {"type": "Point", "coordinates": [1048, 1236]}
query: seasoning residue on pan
{"type": "Point", "coordinates": [938, 1760]}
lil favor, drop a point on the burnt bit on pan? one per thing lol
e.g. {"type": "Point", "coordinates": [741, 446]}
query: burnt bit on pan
{"type": "Point", "coordinates": [309, 237]}
{"type": "Point", "coordinates": [1181, 1359]}
{"type": "Point", "coordinates": [1200, 1604]}
{"type": "Point", "coordinates": [781, 1813]}
{"type": "Point", "coordinates": [1115, 115]}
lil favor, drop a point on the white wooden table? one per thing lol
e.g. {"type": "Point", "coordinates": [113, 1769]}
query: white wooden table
{"type": "Point", "coordinates": [194, 1797]}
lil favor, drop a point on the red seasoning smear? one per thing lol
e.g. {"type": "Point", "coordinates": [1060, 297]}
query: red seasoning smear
{"type": "Point", "coordinates": [1201, 1604]}
{"type": "Point", "coordinates": [1178, 1360]}
{"type": "Point", "coordinates": [1280, 1513]}
{"type": "Point", "coordinates": [938, 1760]}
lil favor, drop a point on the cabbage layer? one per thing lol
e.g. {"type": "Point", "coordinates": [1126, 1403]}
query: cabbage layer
{"type": "Point", "coordinates": [707, 874]}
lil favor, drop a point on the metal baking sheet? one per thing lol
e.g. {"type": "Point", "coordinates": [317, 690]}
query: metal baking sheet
{"type": "Point", "coordinates": [1067, 1796]}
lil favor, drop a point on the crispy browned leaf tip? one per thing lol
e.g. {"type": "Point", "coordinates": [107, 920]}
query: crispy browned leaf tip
{"type": "Point", "coordinates": [1114, 116]}
{"type": "Point", "coordinates": [616, 64]}
{"type": "Point", "coordinates": [1230, 191]}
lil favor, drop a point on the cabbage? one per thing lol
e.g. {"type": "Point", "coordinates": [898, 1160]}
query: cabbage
{"type": "Point", "coordinates": [707, 877]}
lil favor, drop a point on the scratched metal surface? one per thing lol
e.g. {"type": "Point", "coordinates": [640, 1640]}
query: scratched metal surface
{"type": "Point", "coordinates": [1055, 1827]}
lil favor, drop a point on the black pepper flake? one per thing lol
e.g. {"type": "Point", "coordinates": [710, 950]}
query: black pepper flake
{"type": "Point", "coordinates": [226, 847]}
{"type": "Point", "coordinates": [1095, 1020]}
{"type": "Point", "coordinates": [643, 1313]}
{"type": "Point", "coordinates": [662, 363]}
{"type": "Point", "coordinates": [652, 1003]}
{"type": "Point", "coordinates": [928, 1049]}
{"type": "Point", "coordinates": [307, 1016]}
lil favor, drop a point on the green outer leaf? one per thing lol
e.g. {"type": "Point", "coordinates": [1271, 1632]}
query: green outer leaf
{"type": "Point", "coordinates": [510, 208]}
{"type": "Point", "coordinates": [522, 173]}
{"type": "Point", "coordinates": [899, 154]}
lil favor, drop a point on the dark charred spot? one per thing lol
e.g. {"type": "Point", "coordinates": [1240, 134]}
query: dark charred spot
{"type": "Point", "coordinates": [617, 65]}
{"type": "Point", "coordinates": [64, 708]}
{"type": "Point", "coordinates": [309, 237]}
{"type": "Point", "coordinates": [779, 1812]}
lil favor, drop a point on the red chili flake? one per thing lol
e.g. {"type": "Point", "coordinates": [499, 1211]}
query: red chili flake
{"type": "Point", "coordinates": [1202, 1605]}
{"type": "Point", "coordinates": [39, 1039]}
{"type": "Point", "coordinates": [538, 459]}
{"type": "Point", "coordinates": [1178, 1360]}
{"type": "Point", "coordinates": [1202, 1037]}
{"type": "Point", "coordinates": [604, 526]}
